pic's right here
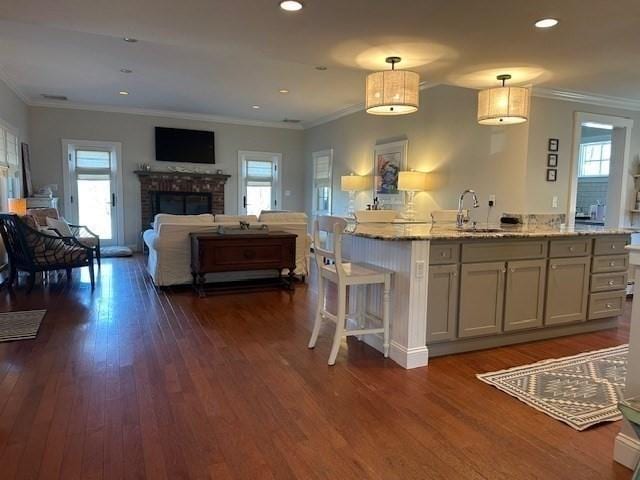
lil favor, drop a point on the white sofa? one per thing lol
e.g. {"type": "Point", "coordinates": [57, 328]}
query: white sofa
{"type": "Point", "coordinates": [169, 261]}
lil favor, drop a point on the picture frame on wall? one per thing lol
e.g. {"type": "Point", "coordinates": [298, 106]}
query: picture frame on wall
{"type": "Point", "coordinates": [554, 144]}
{"type": "Point", "coordinates": [552, 175]}
{"type": "Point", "coordinates": [389, 159]}
{"type": "Point", "coordinates": [552, 160]}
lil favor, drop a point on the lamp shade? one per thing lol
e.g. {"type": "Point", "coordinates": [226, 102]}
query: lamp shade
{"type": "Point", "coordinates": [503, 106]}
{"type": "Point", "coordinates": [412, 181]}
{"type": "Point", "coordinates": [18, 206]}
{"type": "Point", "coordinates": [392, 92]}
{"type": "Point", "coordinates": [353, 183]}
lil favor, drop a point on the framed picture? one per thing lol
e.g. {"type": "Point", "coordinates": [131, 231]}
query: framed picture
{"type": "Point", "coordinates": [554, 144]}
{"type": "Point", "coordinates": [389, 159]}
{"type": "Point", "coordinates": [552, 174]}
{"type": "Point", "coordinates": [27, 186]}
{"type": "Point", "coordinates": [552, 160]}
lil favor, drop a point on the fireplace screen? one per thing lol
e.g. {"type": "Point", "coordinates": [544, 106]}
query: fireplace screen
{"type": "Point", "coordinates": [181, 203]}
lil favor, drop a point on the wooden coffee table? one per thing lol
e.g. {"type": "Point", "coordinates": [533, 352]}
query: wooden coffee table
{"type": "Point", "coordinates": [237, 252]}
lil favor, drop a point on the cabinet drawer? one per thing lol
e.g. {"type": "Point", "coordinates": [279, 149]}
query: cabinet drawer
{"type": "Point", "coordinates": [610, 245]}
{"type": "Point", "coordinates": [604, 282]}
{"type": "Point", "coordinates": [603, 305]}
{"type": "Point", "coordinates": [440, 254]}
{"type": "Point", "coordinates": [610, 263]}
{"type": "Point", "coordinates": [570, 248]}
{"type": "Point", "coordinates": [505, 250]}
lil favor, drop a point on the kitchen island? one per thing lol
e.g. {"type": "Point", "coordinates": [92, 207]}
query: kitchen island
{"type": "Point", "coordinates": [457, 290]}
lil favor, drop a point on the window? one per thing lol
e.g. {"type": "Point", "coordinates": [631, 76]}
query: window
{"type": "Point", "coordinates": [322, 179]}
{"type": "Point", "coordinates": [259, 187]}
{"type": "Point", "coordinates": [595, 158]}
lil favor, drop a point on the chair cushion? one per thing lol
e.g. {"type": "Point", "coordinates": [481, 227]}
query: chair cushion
{"type": "Point", "coordinates": [41, 214]}
{"type": "Point", "coordinates": [236, 218]}
{"type": "Point", "coordinates": [60, 225]}
{"type": "Point", "coordinates": [35, 241]}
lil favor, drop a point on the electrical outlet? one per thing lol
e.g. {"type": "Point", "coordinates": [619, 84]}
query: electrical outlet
{"type": "Point", "coordinates": [554, 202]}
{"type": "Point", "coordinates": [492, 200]}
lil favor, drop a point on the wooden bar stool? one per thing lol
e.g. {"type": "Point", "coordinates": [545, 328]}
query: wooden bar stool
{"type": "Point", "coordinates": [345, 275]}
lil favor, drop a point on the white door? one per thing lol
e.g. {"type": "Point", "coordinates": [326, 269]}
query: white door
{"type": "Point", "coordinates": [91, 189]}
{"type": "Point", "coordinates": [259, 182]}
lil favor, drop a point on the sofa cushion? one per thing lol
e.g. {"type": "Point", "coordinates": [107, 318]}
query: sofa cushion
{"type": "Point", "coordinates": [283, 217]}
{"type": "Point", "coordinates": [236, 218]}
{"type": "Point", "coordinates": [205, 218]}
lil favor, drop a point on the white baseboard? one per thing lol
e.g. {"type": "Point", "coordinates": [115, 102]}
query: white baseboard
{"type": "Point", "coordinates": [626, 451]}
{"type": "Point", "coordinates": [409, 357]}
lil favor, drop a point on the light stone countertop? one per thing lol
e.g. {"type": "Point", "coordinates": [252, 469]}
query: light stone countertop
{"type": "Point", "coordinates": [428, 231]}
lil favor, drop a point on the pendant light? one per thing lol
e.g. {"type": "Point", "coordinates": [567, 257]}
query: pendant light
{"type": "Point", "coordinates": [503, 105]}
{"type": "Point", "coordinates": [393, 92]}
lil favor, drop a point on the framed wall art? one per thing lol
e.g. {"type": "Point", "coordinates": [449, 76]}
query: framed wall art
{"type": "Point", "coordinates": [389, 159]}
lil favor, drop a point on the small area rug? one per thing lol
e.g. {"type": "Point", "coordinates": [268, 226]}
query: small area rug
{"type": "Point", "coordinates": [20, 325]}
{"type": "Point", "coordinates": [580, 391]}
{"type": "Point", "coordinates": [109, 252]}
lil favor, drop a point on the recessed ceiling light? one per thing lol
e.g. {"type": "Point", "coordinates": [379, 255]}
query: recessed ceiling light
{"type": "Point", "coordinates": [255, 107]}
{"type": "Point", "coordinates": [130, 39]}
{"type": "Point", "coordinates": [546, 23]}
{"type": "Point", "coordinates": [283, 90]}
{"type": "Point", "coordinates": [322, 68]}
{"type": "Point", "coordinates": [125, 70]}
{"type": "Point", "coordinates": [123, 92]}
{"type": "Point", "coordinates": [291, 5]}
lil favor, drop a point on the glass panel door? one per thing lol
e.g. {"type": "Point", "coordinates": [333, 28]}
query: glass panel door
{"type": "Point", "coordinates": [259, 187]}
{"type": "Point", "coordinates": [95, 199]}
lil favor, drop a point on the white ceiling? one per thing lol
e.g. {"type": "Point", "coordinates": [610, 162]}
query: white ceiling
{"type": "Point", "coordinates": [221, 57]}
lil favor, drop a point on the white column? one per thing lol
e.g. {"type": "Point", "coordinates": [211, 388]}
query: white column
{"type": "Point", "coordinates": [627, 445]}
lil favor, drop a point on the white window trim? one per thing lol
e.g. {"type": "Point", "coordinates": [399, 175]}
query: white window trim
{"type": "Point", "coordinates": [116, 147]}
{"type": "Point", "coordinates": [617, 215]}
{"type": "Point", "coordinates": [274, 157]}
{"type": "Point", "coordinates": [582, 159]}
{"type": "Point", "coordinates": [315, 155]}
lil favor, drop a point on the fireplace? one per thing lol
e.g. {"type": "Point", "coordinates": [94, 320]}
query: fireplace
{"type": "Point", "coordinates": [180, 203]}
{"type": "Point", "coordinates": [182, 193]}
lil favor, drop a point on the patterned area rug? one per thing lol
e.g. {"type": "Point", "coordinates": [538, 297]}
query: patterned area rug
{"type": "Point", "coordinates": [581, 391]}
{"type": "Point", "coordinates": [20, 325]}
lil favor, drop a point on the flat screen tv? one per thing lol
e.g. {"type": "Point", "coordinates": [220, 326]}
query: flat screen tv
{"type": "Point", "coordinates": [179, 145]}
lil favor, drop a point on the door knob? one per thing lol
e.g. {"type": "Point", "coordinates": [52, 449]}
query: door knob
{"type": "Point", "coordinates": [609, 305]}
{"type": "Point", "coordinates": [611, 283]}
{"type": "Point", "coordinates": [612, 264]}
{"type": "Point", "coordinates": [554, 267]}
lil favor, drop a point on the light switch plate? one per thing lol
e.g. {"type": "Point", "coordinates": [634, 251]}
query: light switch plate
{"type": "Point", "coordinates": [554, 202]}
{"type": "Point", "coordinates": [420, 268]}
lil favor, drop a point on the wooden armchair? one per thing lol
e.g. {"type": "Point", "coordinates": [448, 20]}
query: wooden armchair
{"type": "Point", "coordinates": [80, 232]}
{"type": "Point", "coordinates": [34, 251]}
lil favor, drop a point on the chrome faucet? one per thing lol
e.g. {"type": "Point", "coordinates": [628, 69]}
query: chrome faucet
{"type": "Point", "coordinates": [460, 218]}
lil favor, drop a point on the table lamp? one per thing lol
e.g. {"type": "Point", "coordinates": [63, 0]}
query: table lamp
{"type": "Point", "coordinates": [412, 182]}
{"type": "Point", "coordinates": [18, 206]}
{"type": "Point", "coordinates": [352, 183]}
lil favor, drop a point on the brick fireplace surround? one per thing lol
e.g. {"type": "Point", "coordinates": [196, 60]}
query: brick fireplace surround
{"type": "Point", "coordinates": [154, 181]}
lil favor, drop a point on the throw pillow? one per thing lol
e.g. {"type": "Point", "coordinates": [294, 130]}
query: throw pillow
{"type": "Point", "coordinates": [60, 225]}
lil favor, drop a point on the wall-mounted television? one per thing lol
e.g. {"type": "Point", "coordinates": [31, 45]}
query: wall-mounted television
{"type": "Point", "coordinates": [180, 145]}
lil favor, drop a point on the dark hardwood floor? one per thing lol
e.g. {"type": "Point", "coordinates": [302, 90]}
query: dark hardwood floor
{"type": "Point", "coordinates": [134, 382]}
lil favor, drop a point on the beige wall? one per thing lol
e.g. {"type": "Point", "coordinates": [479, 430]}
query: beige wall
{"type": "Point", "coordinates": [136, 133]}
{"type": "Point", "coordinates": [445, 138]}
{"type": "Point", "coordinates": [555, 119]}
{"type": "Point", "coordinates": [13, 111]}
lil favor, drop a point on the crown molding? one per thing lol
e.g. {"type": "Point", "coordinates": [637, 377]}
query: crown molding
{"type": "Point", "coordinates": [164, 113]}
{"type": "Point", "coordinates": [588, 98]}
{"type": "Point", "coordinates": [358, 107]}
{"type": "Point", "coordinates": [12, 86]}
